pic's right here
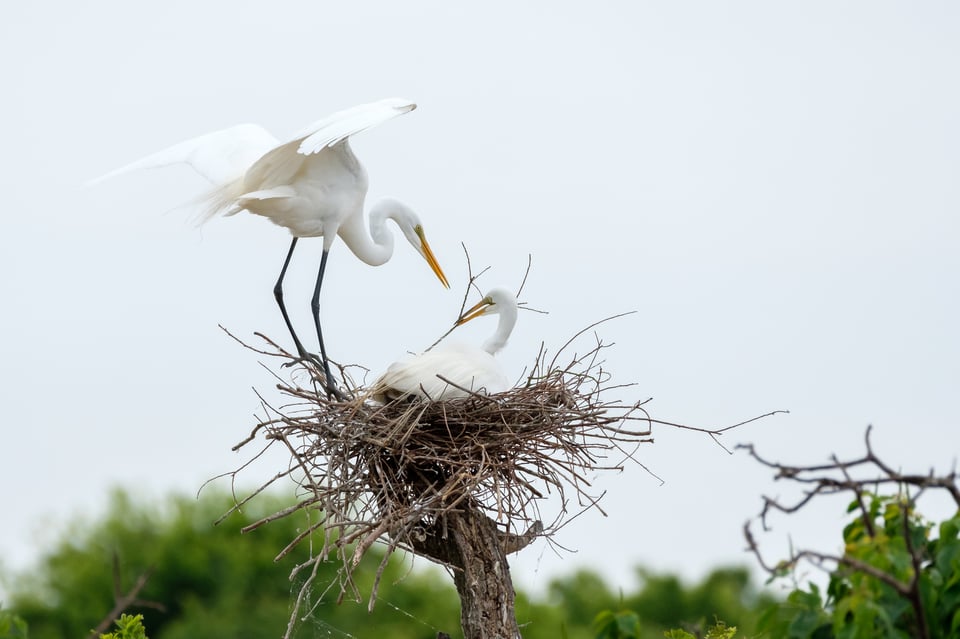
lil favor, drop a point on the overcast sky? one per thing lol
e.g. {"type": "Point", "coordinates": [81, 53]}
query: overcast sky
{"type": "Point", "coordinates": [774, 188]}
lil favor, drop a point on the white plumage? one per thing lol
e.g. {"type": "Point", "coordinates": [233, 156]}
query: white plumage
{"type": "Point", "coordinates": [470, 367]}
{"type": "Point", "coordinates": [221, 156]}
{"type": "Point", "coordinates": [313, 185]}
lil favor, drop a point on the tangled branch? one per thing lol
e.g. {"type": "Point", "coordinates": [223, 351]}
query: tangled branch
{"type": "Point", "coordinates": [860, 478]}
{"type": "Point", "coordinates": [388, 471]}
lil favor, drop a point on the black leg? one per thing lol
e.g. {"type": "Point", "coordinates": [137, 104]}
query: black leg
{"type": "Point", "coordinates": [278, 293]}
{"type": "Point", "coordinates": [315, 306]}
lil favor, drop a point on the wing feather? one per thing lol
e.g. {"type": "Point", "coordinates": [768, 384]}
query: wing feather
{"type": "Point", "coordinates": [221, 157]}
{"type": "Point", "coordinates": [281, 164]}
{"type": "Point", "coordinates": [466, 366]}
{"type": "Point", "coordinates": [337, 127]}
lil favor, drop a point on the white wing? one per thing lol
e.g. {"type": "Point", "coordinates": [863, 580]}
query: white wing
{"type": "Point", "coordinates": [221, 156]}
{"type": "Point", "coordinates": [226, 155]}
{"type": "Point", "coordinates": [466, 366]}
{"type": "Point", "coordinates": [338, 126]}
{"type": "Point", "coordinates": [281, 165]}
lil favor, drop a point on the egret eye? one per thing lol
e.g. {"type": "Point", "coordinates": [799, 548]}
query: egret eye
{"type": "Point", "coordinates": [455, 370]}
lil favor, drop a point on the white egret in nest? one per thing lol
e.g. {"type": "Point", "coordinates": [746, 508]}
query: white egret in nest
{"type": "Point", "coordinates": [312, 185]}
{"type": "Point", "coordinates": [469, 367]}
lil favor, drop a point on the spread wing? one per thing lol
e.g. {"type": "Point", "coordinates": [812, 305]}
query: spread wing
{"type": "Point", "coordinates": [337, 127]}
{"type": "Point", "coordinates": [221, 157]}
{"type": "Point", "coordinates": [281, 164]}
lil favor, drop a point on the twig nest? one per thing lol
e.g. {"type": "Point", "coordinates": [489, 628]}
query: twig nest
{"type": "Point", "coordinates": [392, 471]}
{"type": "Point", "coordinates": [405, 473]}
{"type": "Point", "coordinates": [414, 458]}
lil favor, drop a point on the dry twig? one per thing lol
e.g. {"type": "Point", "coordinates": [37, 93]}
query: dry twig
{"type": "Point", "coordinates": [125, 600]}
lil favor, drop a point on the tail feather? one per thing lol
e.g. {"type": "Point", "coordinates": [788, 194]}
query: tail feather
{"type": "Point", "coordinates": [230, 198]}
{"type": "Point", "coordinates": [220, 200]}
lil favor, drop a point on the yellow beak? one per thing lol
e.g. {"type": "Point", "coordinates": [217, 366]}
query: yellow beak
{"type": "Point", "coordinates": [431, 259]}
{"type": "Point", "coordinates": [474, 311]}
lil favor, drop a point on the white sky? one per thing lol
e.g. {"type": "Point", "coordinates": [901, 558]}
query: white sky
{"type": "Point", "coordinates": [774, 188]}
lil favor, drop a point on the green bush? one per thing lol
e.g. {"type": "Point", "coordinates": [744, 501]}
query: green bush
{"type": "Point", "coordinates": [128, 627]}
{"type": "Point", "coordinates": [894, 581]}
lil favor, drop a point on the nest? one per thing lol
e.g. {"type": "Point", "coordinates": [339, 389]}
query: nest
{"type": "Point", "coordinates": [393, 472]}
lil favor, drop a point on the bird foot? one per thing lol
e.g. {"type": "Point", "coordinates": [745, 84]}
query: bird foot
{"type": "Point", "coordinates": [334, 392]}
{"type": "Point", "coordinates": [321, 373]}
{"type": "Point", "coordinates": [303, 358]}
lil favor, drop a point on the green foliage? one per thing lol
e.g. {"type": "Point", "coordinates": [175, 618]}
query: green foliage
{"type": "Point", "coordinates": [212, 581]}
{"type": "Point", "coordinates": [892, 540]}
{"type": "Point", "coordinates": [717, 631]}
{"type": "Point", "coordinates": [662, 602]}
{"type": "Point", "coordinates": [128, 627]}
{"type": "Point", "coordinates": [617, 625]}
{"type": "Point", "coordinates": [720, 631]}
{"type": "Point", "coordinates": [12, 626]}
{"type": "Point", "coordinates": [625, 624]}
{"type": "Point", "coordinates": [215, 582]}
{"type": "Point", "coordinates": [800, 616]}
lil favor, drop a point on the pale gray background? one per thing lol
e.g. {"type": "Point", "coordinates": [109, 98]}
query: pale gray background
{"type": "Point", "coordinates": [773, 187]}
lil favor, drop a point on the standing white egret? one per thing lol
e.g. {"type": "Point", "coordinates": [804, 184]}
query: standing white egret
{"type": "Point", "coordinates": [313, 185]}
{"type": "Point", "coordinates": [470, 367]}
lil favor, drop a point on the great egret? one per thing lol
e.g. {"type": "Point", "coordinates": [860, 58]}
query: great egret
{"type": "Point", "coordinates": [469, 367]}
{"type": "Point", "coordinates": [313, 185]}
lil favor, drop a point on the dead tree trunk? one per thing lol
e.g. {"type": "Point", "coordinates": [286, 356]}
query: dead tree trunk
{"type": "Point", "coordinates": [484, 583]}
{"type": "Point", "coordinates": [469, 543]}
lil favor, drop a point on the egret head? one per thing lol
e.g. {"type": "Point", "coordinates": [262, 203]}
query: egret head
{"type": "Point", "coordinates": [411, 227]}
{"type": "Point", "coordinates": [500, 302]}
{"type": "Point", "coordinates": [423, 247]}
{"type": "Point", "coordinates": [497, 300]}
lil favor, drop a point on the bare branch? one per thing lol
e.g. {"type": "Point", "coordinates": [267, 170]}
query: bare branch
{"type": "Point", "coordinates": [123, 601]}
{"type": "Point", "coordinates": [860, 478]}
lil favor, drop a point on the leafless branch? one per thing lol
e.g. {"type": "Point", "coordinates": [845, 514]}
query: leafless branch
{"type": "Point", "coordinates": [860, 478]}
{"type": "Point", "coordinates": [124, 600]}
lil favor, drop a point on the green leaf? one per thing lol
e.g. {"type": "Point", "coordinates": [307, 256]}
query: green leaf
{"type": "Point", "coordinates": [628, 624]}
{"type": "Point", "coordinates": [128, 627]}
{"type": "Point", "coordinates": [720, 630]}
{"type": "Point", "coordinates": [621, 625]}
{"type": "Point", "coordinates": [950, 529]}
{"type": "Point", "coordinates": [12, 626]}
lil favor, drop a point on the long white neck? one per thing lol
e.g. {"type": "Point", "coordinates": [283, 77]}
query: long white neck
{"type": "Point", "coordinates": [376, 246]}
{"type": "Point", "coordinates": [508, 318]}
